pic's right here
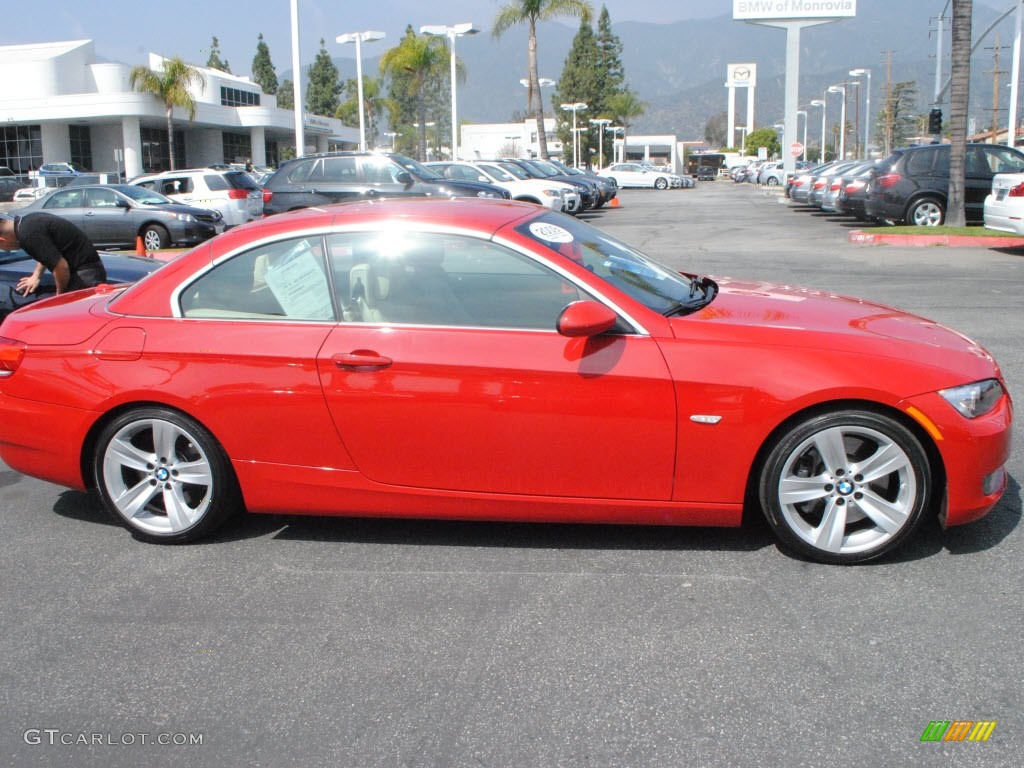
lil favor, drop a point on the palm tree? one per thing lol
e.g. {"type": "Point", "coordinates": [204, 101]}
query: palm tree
{"type": "Point", "coordinates": [530, 12]}
{"type": "Point", "coordinates": [374, 105]}
{"type": "Point", "coordinates": [171, 85]}
{"type": "Point", "coordinates": [959, 85]}
{"type": "Point", "coordinates": [623, 107]}
{"type": "Point", "coordinates": [416, 61]}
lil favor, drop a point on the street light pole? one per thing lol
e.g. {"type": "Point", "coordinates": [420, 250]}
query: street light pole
{"type": "Point", "coordinates": [804, 113]}
{"type": "Point", "coordinates": [574, 108]}
{"type": "Point", "coordinates": [867, 107]}
{"type": "Point", "coordinates": [842, 120]}
{"type": "Point", "coordinates": [600, 122]}
{"type": "Point", "coordinates": [393, 136]}
{"type": "Point", "coordinates": [359, 38]}
{"type": "Point", "coordinates": [457, 30]}
{"type": "Point", "coordinates": [820, 103]}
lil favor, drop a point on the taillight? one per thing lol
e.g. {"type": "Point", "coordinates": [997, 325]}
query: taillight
{"type": "Point", "coordinates": [238, 194]}
{"type": "Point", "coordinates": [888, 180]}
{"type": "Point", "coordinates": [1017, 191]}
{"type": "Point", "coordinates": [797, 182]}
{"type": "Point", "coordinates": [835, 186]}
{"type": "Point", "coordinates": [267, 195]}
{"type": "Point", "coordinates": [11, 354]}
{"type": "Point", "coordinates": [819, 184]}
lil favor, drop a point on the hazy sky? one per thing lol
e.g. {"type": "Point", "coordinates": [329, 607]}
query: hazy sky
{"type": "Point", "coordinates": [127, 30]}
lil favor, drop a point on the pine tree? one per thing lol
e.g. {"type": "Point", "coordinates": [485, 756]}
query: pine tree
{"type": "Point", "coordinates": [324, 85]}
{"type": "Point", "coordinates": [263, 71]}
{"type": "Point", "coordinates": [611, 74]}
{"type": "Point", "coordinates": [286, 95]}
{"type": "Point", "coordinates": [214, 62]}
{"type": "Point", "coordinates": [579, 82]}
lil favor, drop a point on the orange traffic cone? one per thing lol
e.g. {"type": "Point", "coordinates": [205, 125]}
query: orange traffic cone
{"type": "Point", "coordinates": [614, 203]}
{"type": "Point", "coordinates": [140, 249]}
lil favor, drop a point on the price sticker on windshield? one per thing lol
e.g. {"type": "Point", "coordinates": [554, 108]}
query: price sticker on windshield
{"type": "Point", "coordinates": [551, 233]}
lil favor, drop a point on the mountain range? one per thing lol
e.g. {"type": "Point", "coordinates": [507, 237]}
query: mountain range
{"type": "Point", "coordinates": [679, 69]}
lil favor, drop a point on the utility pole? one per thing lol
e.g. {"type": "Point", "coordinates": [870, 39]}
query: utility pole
{"type": "Point", "coordinates": [996, 72]}
{"type": "Point", "coordinates": [888, 101]}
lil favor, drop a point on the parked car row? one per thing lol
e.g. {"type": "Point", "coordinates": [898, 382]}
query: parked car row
{"type": "Point", "coordinates": [911, 186]}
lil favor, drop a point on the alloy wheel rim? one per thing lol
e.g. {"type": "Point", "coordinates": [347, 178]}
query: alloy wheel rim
{"type": "Point", "coordinates": [928, 215]}
{"type": "Point", "coordinates": [847, 490]}
{"type": "Point", "coordinates": [157, 476]}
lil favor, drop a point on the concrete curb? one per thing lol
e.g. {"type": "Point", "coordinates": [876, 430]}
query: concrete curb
{"type": "Point", "coordinates": [878, 238]}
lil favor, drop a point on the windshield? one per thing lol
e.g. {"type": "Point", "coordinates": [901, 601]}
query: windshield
{"type": "Point", "coordinates": [416, 168]}
{"type": "Point", "coordinates": [498, 173]}
{"type": "Point", "coordinates": [655, 286]}
{"type": "Point", "coordinates": [546, 168]}
{"type": "Point", "coordinates": [516, 171]}
{"type": "Point", "coordinates": [143, 195]}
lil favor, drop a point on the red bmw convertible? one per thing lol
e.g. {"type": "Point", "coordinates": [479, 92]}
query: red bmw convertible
{"type": "Point", "coordinates": [491, 360]}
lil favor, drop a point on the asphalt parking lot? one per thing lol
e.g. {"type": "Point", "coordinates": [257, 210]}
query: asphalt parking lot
{"type": "Point", "coordinates": [309, 641]}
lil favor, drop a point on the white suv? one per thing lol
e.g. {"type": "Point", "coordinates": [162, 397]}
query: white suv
{"type": "Point", "coordinates": [233, 193]}
{"type": "Point", "coordinates": [555, 195]}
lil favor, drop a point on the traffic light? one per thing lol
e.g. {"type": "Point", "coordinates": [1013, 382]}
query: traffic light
{"type": "Point", "coordinates": [935, 121]}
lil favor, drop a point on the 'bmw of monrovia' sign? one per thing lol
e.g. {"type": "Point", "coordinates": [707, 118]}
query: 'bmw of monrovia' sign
{"type": "Point", "coordinates": [793, 9]}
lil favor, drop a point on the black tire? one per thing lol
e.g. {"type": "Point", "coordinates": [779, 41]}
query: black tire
{"type": "Point", "coordinates": [841, 509]}
{"type": "Point", "coordinates": [163, 476]}
{"type": "Point", "coordinates": [926, 212]}
{"type": "Point", "coordinates": [154, 237]}
{"type": "Point", "coordinates": [661, 183]}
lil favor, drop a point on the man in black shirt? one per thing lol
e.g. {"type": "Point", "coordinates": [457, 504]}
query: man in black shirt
{"type": "Point", "coordinates": [58, 245]}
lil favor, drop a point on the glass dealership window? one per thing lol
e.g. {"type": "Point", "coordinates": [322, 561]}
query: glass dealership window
{"type": "Point", "coordinates": [81, 146]}
{"type": "Point", "coordinates": [237, 147]}
{"type": "Point", "coordinates": [235, 97]}
{"type": "Point", "coordinates": [21, 147]}
{"type": "Point", "coordinates": [156, 154]}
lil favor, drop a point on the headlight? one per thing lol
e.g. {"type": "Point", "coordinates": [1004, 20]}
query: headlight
{"type": "Point", "coordinates": [551, 192]}
{"type": "Point", "coordinates": [974, 400]}
{"type": "Point", "coordinates": [186, 217]}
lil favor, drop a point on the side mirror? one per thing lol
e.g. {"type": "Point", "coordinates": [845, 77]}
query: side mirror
{"type": "Point", "coordinates": [404, 178]}
{"type": "Point", "coordinates": [123, 204]}
{"type": "Point", "coordinates": [585, 318]}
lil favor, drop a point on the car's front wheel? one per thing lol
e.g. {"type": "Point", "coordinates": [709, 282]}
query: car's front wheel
{"type": "Point", "coordinates": [163, 476]}
{"type": "Point", "coordinates": [846, 487]}
{"type": "Point", "coordinates": [661, 183]}
{"type": "Point", "coordinates": [926, 212]}
{"type": "Point", "coordinates": [155, 237]}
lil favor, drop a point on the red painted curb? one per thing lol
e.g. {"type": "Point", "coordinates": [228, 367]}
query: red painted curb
{"type": "Point", "coordinates": [880, 238]}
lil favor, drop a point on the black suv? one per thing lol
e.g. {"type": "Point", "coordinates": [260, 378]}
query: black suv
{"type": "Point", "coordinates": [911, 184]}
{"type": "Point", "coordinates": [337, 177]}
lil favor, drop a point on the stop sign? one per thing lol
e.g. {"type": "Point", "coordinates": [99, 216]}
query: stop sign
{"type": "Point", "coordinates": [796, 149]}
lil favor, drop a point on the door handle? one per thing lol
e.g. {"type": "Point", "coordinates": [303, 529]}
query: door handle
{"type": "Point", "coordinates": [360, 360]}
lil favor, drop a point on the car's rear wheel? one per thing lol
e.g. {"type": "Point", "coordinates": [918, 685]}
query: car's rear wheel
{"type": "Point", "coordinates": [926, 212]}
{"type": "Point", "coordinates": [661, 183]}
{"type": "Point", "coordinates": [846, 487]}
{"type": "Point", "coordinates": [155, 237]}
{"type": "Point", "coordinates": [772, 181]}
{"type": "Point", "coordinates": [164, 476]}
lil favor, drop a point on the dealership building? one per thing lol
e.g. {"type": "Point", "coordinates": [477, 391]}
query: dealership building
{"type": "Point", "coordinates": [65, 105]}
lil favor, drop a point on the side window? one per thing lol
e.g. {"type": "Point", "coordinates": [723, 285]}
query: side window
{"type": "Point", "coordinates": [1004, 160]}
{"type": "Point", "coordinates": [301, 171]}
{"type": "Point", "coordinates": [920, 163]}
{"type": "Point", "coordinates": [378, 170]}
{"type": "Point", "coordinates": [101, 198]}
{"type": "Point", "coordinates": [215, 182]}
{"type": "Point", "coordinates": [447, 280]}
{"type": "Point", "coordinates": [176, 186]}
{"type": "Point", "coordinates": [285, 280]}
{"type": "Point", "coordinates": [339, 169]}
{"type": "Point", "coordinates": [70, 199]}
